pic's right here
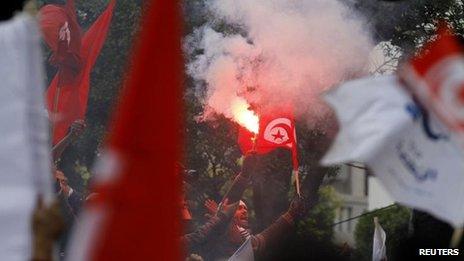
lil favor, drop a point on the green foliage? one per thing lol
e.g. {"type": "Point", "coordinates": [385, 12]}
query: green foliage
{"type": "Point", "coordinates": [408, 24]}
{"type": "Point", "coordinates": [418, 24]}
{"type": "Point", "coordinates": [319, 222]}
{"type": "Point", "coordinates": [313, 237]}
{"type": "Point", "coordinates": [83, 172]}
{"type": "Point", "coordinates": [393, 220]}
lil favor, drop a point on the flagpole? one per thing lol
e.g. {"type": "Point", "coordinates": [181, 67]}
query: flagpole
{"type": "Point", "coordinates": [296, 174]}
{"type": "Point", "coordinates": [253, 148]}
{"type": "Point", "coordinates": [55, 108]}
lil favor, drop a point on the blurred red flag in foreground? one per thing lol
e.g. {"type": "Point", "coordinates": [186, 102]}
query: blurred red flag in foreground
{"type": "Point", "coordinates": [436, 78]}
{"type": "Point", "coordinates": [136, 215]}
{"type": "Point", "coordinates": [67, 94]}
{"type": "Point", "coordinates": [276, 130]}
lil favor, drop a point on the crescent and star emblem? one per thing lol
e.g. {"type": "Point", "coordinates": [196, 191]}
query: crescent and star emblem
{"type": "Point", "coordinates": [277, 131]}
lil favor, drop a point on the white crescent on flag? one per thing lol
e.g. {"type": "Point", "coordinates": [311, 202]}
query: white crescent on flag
{"type": "Point", "coordinates": [278, 131]}
{"type": "Point", "coordinates": [452, 84]}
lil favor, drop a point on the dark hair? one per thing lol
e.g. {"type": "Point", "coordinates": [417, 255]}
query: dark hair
{"type": "Point", "coordinates": [55, 2]}
{"type": "Point", "coordinates": [190, 176]}
{"type": "Point", "coordinates": [8, 8]}
{"type": "Point", "coordinates": [460, 40]}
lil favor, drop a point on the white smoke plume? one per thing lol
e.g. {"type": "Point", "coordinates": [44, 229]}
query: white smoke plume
{"type": "Point", "coordinates": [287, 51]}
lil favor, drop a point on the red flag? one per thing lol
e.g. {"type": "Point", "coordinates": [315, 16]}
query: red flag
{"type": "Point", "coordinates": [67, 95]}
{"type": "Point", "coordinates": [67, 48]}
{"type": "Point", "coordinates": [137, 214]}
{"type": "Point", "coordinates": [436, 78]}
{"type": "Point", "coordinates": [276, 130]}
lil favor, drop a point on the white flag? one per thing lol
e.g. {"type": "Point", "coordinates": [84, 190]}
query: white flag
{"type": "Point", "coordinates": [244, 252]}
{"type": "Point", "coordinates": [413, 155]}
{"type": "Point", "coordinates": [24, 148]}
{"type": "Point", "coordinates": [379, 250]}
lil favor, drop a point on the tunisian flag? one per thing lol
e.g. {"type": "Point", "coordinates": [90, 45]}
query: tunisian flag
{"type": "Point", "coordinates": [67, 94]}
{"type": "Point", "coordinates": [276, 130]}
{"type": "Point", "coordinates": [63, 35]}
{"type": "Point", "coordinates": [436, 78]}
{"type": "Point", "coordinates": [136, 215]}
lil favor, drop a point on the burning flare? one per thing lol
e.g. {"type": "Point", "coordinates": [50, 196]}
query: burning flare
{"type": "Point", "coordinates": [244, 116]}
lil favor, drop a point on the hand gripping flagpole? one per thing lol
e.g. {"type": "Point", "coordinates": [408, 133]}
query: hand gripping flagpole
{"type": "Point", "coordinates": [296, 175]}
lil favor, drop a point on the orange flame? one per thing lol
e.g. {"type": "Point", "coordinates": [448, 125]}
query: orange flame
{"type": "Point", "coordinates": [244, 116]}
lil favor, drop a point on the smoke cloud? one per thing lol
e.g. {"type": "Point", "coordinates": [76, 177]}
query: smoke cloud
{"type": "Point", "coordinates": [279, 52]}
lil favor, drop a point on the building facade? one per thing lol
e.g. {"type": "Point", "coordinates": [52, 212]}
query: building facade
{"type": "Point", "coordinates": [352, 187]}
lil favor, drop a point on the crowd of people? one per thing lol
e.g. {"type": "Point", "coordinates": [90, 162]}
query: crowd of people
{"type": "Point", "coordinates": [225, 230]}
{"type": "Point", "coordinates": [227, 226]}
{"type": "Point", "coordinates": [52, 223]}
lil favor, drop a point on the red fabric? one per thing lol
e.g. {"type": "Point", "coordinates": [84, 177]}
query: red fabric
{"type": "Point", "coordinates": [436, 77]}
{"type": "Point", "coordinates": [65, 55]}
{"type": "Point", "coordinates": [276, 130]}
{"type": "Point", "coordinates": [143, 218]}
{"type": "Point", "coordinates": [435, 52]}
{"type": "Point", "coordinates": [67, 99]}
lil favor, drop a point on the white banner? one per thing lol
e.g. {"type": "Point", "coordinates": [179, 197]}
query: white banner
{"type": "Point", "coordinates": [24, 147]}
{"type": "Point", "coordinates": [379, 250]}
{"type": "Point", "coordinates": [414, 156]}
{"type": "Point", "coordinates": [244, 252]}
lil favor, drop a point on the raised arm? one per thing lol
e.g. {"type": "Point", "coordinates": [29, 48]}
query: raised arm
{"type": "Point", "coordinates": [215, 226]}
{"type": "Point", "coordinates": [76, 129]}
{"type": "Point", "coordinates": [280, 229]}
{"type": "Point", "coordinates": [242, 179]}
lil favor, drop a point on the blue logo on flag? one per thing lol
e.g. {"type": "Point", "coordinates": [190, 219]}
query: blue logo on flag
{"type": "Point", "coordinates": [418, 113]}
{"type": "Point", "coordinates": [410, 157]}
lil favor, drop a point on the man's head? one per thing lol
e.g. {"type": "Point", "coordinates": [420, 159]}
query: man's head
{"type": "Point", "coordinates": [62, 180]}
{"type": "Point", "coordinates": [241, 215]}
{"type": "Point", "coordinates": [60, 177]}
{"type": "Point", "coordinates": [238, 228]}
{"type": "Point", "coordinates": [186, 216]}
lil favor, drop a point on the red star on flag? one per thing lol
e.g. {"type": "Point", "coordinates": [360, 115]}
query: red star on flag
{"type": "Point", "coordinates": [278, 135]}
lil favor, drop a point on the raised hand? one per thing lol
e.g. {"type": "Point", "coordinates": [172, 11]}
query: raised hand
{"type": "Point", "coordinates": [211, 206]}
{"type": "Point", "coordinates": [226, 209]}
{"type": "Point", "coordinates": [297, 208]}
{"type": "Point", "coordinates": [77, 128]}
